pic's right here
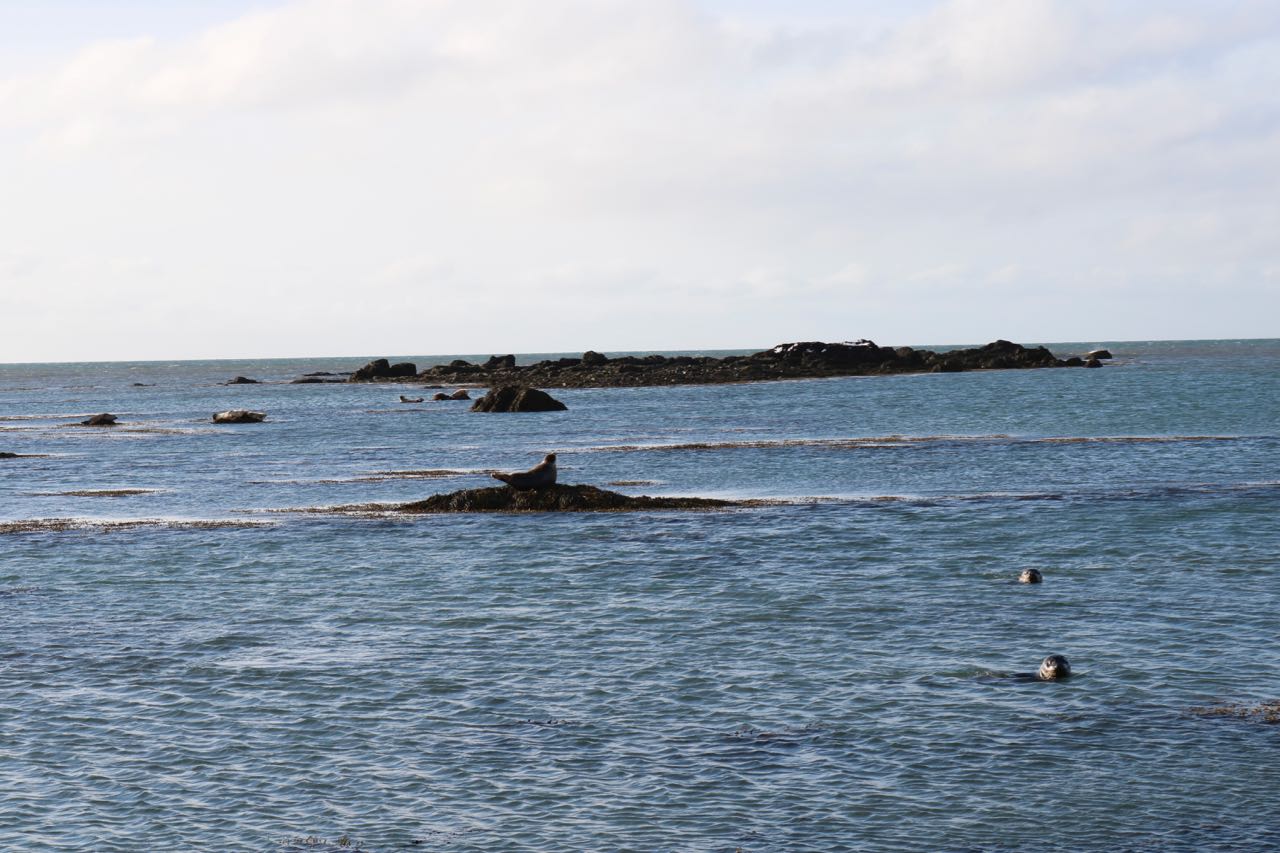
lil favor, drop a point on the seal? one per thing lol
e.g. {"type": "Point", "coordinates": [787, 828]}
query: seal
{"type": "Point", "coordinates": [404, 399]}
{"type": "Point", "coordinates": [1030, 576]}
{"type": "Point", "coordinates": [1054, 668]}
{"type": "Point", "coordinates": [538, 477]}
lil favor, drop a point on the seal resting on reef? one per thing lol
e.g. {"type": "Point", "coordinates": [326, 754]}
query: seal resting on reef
{"type": "Point", "coordinates": [1030, 576]}
{"type": "Point", "coordinates": [538, 477]}
{"type": "Point", "coordinates": [404, 399]}
{"type": "Point", "coordinates": [1053, 668]}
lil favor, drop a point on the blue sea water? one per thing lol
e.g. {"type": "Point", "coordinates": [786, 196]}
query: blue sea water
{"type": "Point", "coordinates": [184, 668]}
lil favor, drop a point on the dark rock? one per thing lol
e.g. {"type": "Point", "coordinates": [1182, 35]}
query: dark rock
{"type": "Point", "coordinates": [460, 394]}
{"type": "Point", "coordinates": [316, 380]}
{"type": "Point", "coordinates": [558, 498]}
{"type": "Point", "coordinates": [500, 362]}
{"type": "Point", "coordinates": [591, 358]}
{"type": "Point", "coordinates": [1074, 361]}
{"type": "Point", "coordinates": [7, 455]}
{"type": "Point", "coordinates": [517, 398]}
{"type": "Point", "coordinates": [1100, 354]}
{"type": "Point", "coordinates": [380, 368]}
{"type": "Point", "coordinates": [1093, 362]}
{"type": "Point", "coordinates": [143, 385]}
{"type": "Point", "coordinates": [243, 380]}
{"type": "Point", "coordinates": [439, 395]}
{"type": "Point", "coordinates": [100, 420]}
{"type": "Point", "coordinates": [239, 416]}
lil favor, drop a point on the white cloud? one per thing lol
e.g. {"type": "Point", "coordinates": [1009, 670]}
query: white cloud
{"type": "Point", "coordinates": [647, 171]}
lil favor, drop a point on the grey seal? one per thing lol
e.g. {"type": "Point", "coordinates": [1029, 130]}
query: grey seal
{"type": "Point", "coordinates": [1030, 576]}
{"type": "Point", "coordinates": [538, 477]}
{"type": "Point", "coordinates": [1054, 668]}
{"type": "Point", "coordinates": [404, 399]}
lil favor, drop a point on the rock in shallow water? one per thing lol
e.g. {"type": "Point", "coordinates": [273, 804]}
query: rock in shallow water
{"type": "Point", "coordinates": [516, 398]}
{"type": "Point", "coordinates": [103, 419]}
{"type": "Point", "coordinates": [559, 498]}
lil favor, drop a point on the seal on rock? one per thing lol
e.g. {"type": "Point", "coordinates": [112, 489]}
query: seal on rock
{"type": "Point", "coordinates": [538, 477]}
{"type": "Point", "coordinates": [1053, 668]}
{"type": "Point", "coordinates": [1030, 576]}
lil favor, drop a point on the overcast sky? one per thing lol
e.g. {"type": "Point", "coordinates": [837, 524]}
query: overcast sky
{"type": "Point", "coordinates": [396, 177]}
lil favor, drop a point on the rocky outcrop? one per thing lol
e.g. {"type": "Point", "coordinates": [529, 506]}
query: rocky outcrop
{"type": "Point", "coordinates": [560, 498]}
{"type": "Point", "coordinates": [103, 419]}
{"type": "Point", "coordinates": [242, 380]}
{"type": "Point", "coordinates": [517, 398]}
{"type": "Point", "coordinates": [460, 394]}
{"type": "Point", "coordinates": [1100, 354]}
{"type": "Point", "coordinates": [380, 368]}
{"type": "Point", "coordinates": [239, 416]}
{"type": "Point", "coordinates": [800, 360]}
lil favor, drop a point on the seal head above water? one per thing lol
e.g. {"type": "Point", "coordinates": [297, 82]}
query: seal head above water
{"type": "Point", "coordinates": [538, 477]}
{"type": "Point", "coordinates": [1030, 576]}
{"type": "Point", "coordinates": [1054, 668]}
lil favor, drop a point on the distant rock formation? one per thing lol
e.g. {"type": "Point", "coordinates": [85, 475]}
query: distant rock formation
{"type": "Point", "coordinates": [800, 360]}
{"type": "Point", "coordinates": [239, 416]}
{"type": "Point", "coordinates": [242, 380]}
{"type": "Point", "coordinates": [517, 398]}
{"type": "Point", "coordinates": [380, 368]}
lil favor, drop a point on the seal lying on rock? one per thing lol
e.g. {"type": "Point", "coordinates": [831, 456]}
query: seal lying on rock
{"type": "Point", "coordinates": [239, 416]}
{"type": "Point", "coordinates": [538, 477]}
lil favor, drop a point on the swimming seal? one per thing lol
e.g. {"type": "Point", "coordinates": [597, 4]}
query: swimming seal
{"type": "Point", "coordinates": [1030, 576]}
{"type": "Point", "coordinates": [1053, 668]}
{"type": "Point", "coordinates": [538, 477]}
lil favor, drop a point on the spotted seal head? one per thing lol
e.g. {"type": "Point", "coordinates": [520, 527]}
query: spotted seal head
{"type": "Point", "coordinates": [1030, 576]}
{"type": "Point", "coordinates": [1054, 668]}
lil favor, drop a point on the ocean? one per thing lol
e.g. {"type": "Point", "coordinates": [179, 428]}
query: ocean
{"type": "Point", "coordinates": [190, 662]}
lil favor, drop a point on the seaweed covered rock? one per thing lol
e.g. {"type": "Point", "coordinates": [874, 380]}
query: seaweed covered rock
{"type": "Point", "coordinates": [517, 398]}
{"type": "Point", "coordinates": [558, 498]}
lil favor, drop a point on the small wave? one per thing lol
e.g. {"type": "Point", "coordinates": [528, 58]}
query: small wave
{"type": "Point", "coordinates": [898, 441]}
{"type": "Point", "coordinates": [380, 476]}
{"type": "Point", "coordinates": [101, 525]}
{"type": "Point", "coordinates": [97, 493]}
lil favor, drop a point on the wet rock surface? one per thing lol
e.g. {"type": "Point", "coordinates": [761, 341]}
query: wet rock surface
{"type": "Point", "coordinates": [516, 398]}
{"type": "Point", "coordinates": [802, 360]}
{"type": "Point", "coordinates": [558, 498]}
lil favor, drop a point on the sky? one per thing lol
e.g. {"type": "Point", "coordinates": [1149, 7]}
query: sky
{"type": "Point", "coordinates": [237, 179]}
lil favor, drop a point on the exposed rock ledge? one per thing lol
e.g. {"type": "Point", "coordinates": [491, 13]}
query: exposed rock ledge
{"type": "Point", "coordinates": [558, 498]}
{"type": "Point", "coordinates": [806, 360]}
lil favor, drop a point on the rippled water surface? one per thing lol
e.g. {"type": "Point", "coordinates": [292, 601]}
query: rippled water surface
{"type": "Point", "coordinates": [181, 668]}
